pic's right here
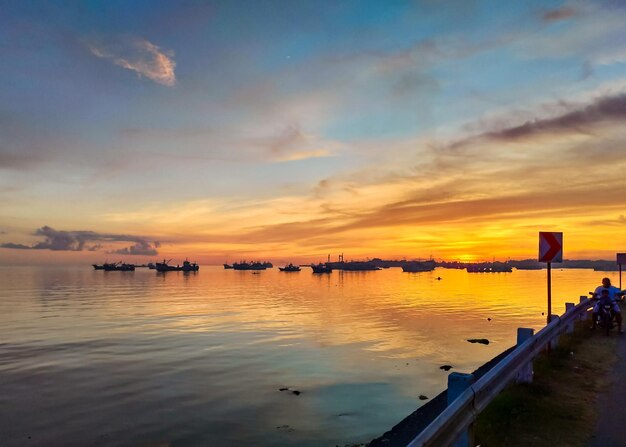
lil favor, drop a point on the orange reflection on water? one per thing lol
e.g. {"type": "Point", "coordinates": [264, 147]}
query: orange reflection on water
{"type": "Point", "coordinates": [360, 343]}
{"type": "Point", "coordinates": [391, 314]}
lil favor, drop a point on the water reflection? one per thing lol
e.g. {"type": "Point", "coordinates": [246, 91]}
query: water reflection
{"type": "Point", "coordinates": [199, 358]}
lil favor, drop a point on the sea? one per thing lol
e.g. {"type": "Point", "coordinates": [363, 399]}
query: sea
{"type": "Point", "coordinates": [232, 358]}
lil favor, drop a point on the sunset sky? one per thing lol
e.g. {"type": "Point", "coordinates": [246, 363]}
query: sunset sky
{"type": "Point", "coordinates": [287, 130]}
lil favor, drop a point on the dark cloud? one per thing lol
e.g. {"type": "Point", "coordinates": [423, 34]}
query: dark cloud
{"type": "Point", "coordinates": [80, 240]}
{"type": "Point", "coordinates": [15, 246]}
{"type": "Point", "coordinates": [554, 15]}
{"type": "Point", "coordinates": [607, 108]}
{"type": "Point", "coordinates": [140, 248]}
{"type": "Point", "coordinates": [61, 240]}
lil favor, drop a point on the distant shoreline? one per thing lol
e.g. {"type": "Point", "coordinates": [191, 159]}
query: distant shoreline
{"type": "Point", "coordinates": [523, 264]}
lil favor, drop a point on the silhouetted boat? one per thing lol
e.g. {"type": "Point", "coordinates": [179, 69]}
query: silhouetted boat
{"type": "Point", "coordinates": [118, 267]}
{"type": "Point", "coordinates": [353, 266]}
{"type": "Point", "coordinates": [151, 265]}
{"type": "Point", "coordinates": [186, 267]}
{"type": "Point", "coordinates": [289, 268]}
{"type": "Point", "coordinates": [250, 265]}
{"type": "Point", "coordinates": [418, 266]}
{"type": "Point", "coordinates": [321, 268]}
{"type": "Point", "coordinates": [605, 268]}
{"type": "Point", "coordinates": [227, 266]}
{"type": "Point", "coordinates": [106, 266]}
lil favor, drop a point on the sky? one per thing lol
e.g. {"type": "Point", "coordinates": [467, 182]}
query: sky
{"type": "Point", "coordinates": [290, 130]}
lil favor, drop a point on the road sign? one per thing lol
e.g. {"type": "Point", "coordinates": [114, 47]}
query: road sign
{"type": "Point", "coordinates": [550, 247]}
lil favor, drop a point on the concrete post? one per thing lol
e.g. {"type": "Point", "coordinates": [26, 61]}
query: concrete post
{"type": "Point", "coordinates": [525, 374]}
{"type": "Point", "coordinates": [584, 316]}
{"type": "Point", "coordinates": [555, 341]}
{"type": "Point", "coordinates": [568, 308]}
{"type": "Point", "coordinates": [457, 384]}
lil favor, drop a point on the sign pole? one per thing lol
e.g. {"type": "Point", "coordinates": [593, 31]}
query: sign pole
{"type": "Point", "coordinates": [550, 250]}
{"type": "Point", "coordinates": [549, 317]}
{"type": "Point", "coordinates": [549, 292]}
{"type": "Point", "coordinates": [620, 276]}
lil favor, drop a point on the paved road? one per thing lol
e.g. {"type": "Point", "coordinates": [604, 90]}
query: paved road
{"type": "Point", "coordinates": [611, 428]}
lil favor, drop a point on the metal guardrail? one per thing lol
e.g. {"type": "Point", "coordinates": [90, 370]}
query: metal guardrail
{"type": "Point", "coordinates": [452, 424]}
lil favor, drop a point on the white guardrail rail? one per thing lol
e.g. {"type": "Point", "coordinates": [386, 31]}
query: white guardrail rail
{"type": "Point", "coordinates": [466, 399]}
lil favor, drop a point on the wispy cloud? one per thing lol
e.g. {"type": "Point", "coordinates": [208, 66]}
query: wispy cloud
{"type": "Point", "coordinates": [56, 240]}
{"type": "Point", "coordinates": [576, 120]}
{"type": "Point", "coordinates": [620, 221]}
{"type": "Point", "coordinates": [592, 29]}
{"type": "Point", "coordinates": [305, 155]}
{"type": "Point", "coordinates": [291, 144]}
{"type": "Point", "coordinates": [566, 166]}
{"type": "Point", "coordinates": [555, 15]}
{"type": "Point", "coordinates": [140, 56]}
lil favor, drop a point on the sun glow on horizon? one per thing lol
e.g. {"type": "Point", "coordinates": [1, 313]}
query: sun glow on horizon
{"type": "Point", "coordinates": [451, 143]}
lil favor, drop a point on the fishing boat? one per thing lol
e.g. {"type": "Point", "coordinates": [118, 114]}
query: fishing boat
{"type": "Point", "coordinates": [118, 267]}
{"type": "Point", "coordinates": [243, 265]}
{"type": "Point", "coordinates": [186, 267]}
{"type": "Point", "coordinates": [353, 266]}
{"type": "Point", "coordinates": [418, 266]}
{"type": "Point", "coordinates": [98, 267]}
{"type": "Point", "coordinates": [227, 266]}
{"type": "Point", "coordinates": [321, 268]}
{"type": "Point", "coordinates": [289, 268]}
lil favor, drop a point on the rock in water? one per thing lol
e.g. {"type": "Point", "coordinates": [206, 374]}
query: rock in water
{"type": "Point", "coordinates": [482, 341]}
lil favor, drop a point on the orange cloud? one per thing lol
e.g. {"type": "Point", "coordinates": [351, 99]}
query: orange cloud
{"type": "Point", "coordinates": [142, 57]}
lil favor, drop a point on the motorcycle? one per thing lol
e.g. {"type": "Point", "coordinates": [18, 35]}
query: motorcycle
{"type": "Point", "coordinates": [605, 316]}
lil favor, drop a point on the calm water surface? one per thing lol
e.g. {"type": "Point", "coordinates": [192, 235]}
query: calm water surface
{"type": "Point", "coordinates": [141, 359]}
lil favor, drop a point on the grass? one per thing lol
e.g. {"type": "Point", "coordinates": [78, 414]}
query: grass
{"type": "Point", "coordinates": [558, 408]}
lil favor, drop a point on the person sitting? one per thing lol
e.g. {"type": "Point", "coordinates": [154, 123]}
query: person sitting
{"type": "Point", "coordinates": [614, 292]}
{"type": "Point", "coordinates": [604, 298]}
